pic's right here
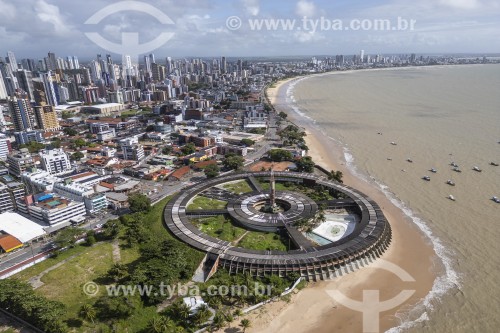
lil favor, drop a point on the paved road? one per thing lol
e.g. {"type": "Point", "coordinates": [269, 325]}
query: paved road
{"type": "Point", "coordinates": [24, 254]}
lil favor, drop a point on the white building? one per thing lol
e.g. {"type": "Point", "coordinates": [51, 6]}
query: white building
{"type": "Point", "coordinates": [52, 209]}
{"type": "Point", "coordinates": [20, 227]}
{"type": "Point", "coordinates": [19, 163]}
{"type": "Point", "coordinates": [39, 181]}
{"type": "Point", "coordinates": [5, 147]}
{"type": "Point", "coordinates": [131, 149]}
{"type": "Point", "coordinates": [55, 161]}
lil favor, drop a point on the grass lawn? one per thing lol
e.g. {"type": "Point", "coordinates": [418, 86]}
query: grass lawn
{"type": "Point", "coordinates": [40, 267]}
{"type": "Point", "coordinates": [238, 187]}
{"type": "Point", "coordinates": [206, 203]}
{"type": "Point", "coordinates": [263, 241]}
{"type": "Point", "coordinates": [65, 283]}
{"type": "Point", "coordinates": [219, 227]}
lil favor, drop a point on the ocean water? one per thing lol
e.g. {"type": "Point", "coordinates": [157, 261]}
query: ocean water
{"type": "Point", "coordinates": [435, 115]}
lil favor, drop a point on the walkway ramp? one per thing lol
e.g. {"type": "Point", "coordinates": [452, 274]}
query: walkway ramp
{"type": "Point", "coordinates": [254, 184]}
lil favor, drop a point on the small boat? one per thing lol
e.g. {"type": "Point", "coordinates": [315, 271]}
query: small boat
{"type": "Point", "coordinates": [453, 164]}
{"type": "Point", "coordinates": [433, 170]}
{"type": "Point", "coordinates": [394, 143]}
{"type": "Point", "coordinates": [451, 197]}
{"type": "Point", "coordinates": [457, 169]}
{"type": "Point", "coordinates": [476, 168]}
{"type": "Point", "coordinates": [409, 160]}
{"type": "Point", "coordinates": [493, 163]}
{"type": "Point", "coordinates": [450, 182]}
{"type": "Point", "coordinates": [495, 199]}
{"type": "Point", "coordinates": [427, 178]}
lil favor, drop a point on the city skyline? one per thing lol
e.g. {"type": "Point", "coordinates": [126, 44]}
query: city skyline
{"type": "Point", "coordinates": [200, 28]}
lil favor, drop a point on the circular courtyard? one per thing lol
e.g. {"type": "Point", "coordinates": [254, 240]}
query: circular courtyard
{"type": "Point", "coordinates": [226, 217]}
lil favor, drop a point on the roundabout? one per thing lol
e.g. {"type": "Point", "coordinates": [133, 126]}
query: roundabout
{"type": "Point", "coordinates": [268, 210]}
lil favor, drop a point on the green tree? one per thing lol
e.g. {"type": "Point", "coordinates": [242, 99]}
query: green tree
{"type": "Point", "coordinates": [305, 164]}
{"type": "Point", "coordinates": [139, 203]}
{"type": "Point", "coordinates": [282, 115]}
{"type": "Point", "coordinates": [67, 237]}
{"type": "Point", "coordinates": [188, 149]}
{"type": "Point", "coordinates": [167, 150]}
{"type": "Point", "coordinates": [212, 171]}
{"type": "Point", "coordinates": [245, 323]}
{"type": "Point", "coordinates": [90, 238]}
{"type": "Point", "coordinates": [113, 307]}
{"type": "Point", "coordinates": [33, 146]}
{"type": "Point", "coordinates": [161, 325]}
{"type": "Point", "coordinates": [278, 155]}
{"type": "Point", "coordinates": [87, 312]}
{"type": "Point", "coordinates": [181, 311]}
{"type": "Point", "coordinates": [76, 156]}
{"type": "Point", "coordinates": [219, 321]}
{"type": "Point", "coordinates": [202, 315]}
{"type": "Point", "coordinates": [79, 143]}
{"type": "Point", "coordinates": [233, 162]}
{"type": "Point", "coordinates": [118, 272]}
{"type": "Point", "coordinates": [247, 142]}
{"type": "Point", "coordinates": [70, 131]}
{"type": "Point", "coordinates": [336, 176]}
{"type": "Point", "coordinates": [56, 143]}
{"type": "Point", "coordinates": [20, 299]}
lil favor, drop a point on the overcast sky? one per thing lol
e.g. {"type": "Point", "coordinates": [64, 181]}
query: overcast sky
{"type": "Point", "coordinates": [31, 28]}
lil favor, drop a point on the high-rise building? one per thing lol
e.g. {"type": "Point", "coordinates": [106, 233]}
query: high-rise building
{"type": "Point", "coordinates": [3, 89]}
{"type": "Point", "coordinates": [50, 88]}
{"type": "Point", "coordinates": [46, 118]}
{"type": "Point", "coordinates": [55, 161]}
{"type": "Point", "coordinates": [132, 150]}
{"type": "Point", "coordinates": [22, 113]}
{"type": "Point", "coordinates": [25, 81]}
{"type": "Point", "coordinates": [12, 61]}
{"type": "Point", "coordinates": [51, 62]}
{"type": "Point", "coordinates": [223, 65]}
{"type": "Point", "coordinates": [362, 56]}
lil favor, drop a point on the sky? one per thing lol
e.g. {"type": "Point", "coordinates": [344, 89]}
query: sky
{"type": "Point", "coordinates": [209, 28]}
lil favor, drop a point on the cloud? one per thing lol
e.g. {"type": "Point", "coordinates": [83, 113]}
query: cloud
{"type": "Point", "coordinates": [461, 4]}
{"type": "Point", "coordinates": [305, 8]}
{"type": "Point", "coordinates": [306, 37]}
{"type": "Point", "coordinates": [8, 10]}
{"type": "Point", "coordinates": [50, 14]}
{"type": "Point", "coordinates": [252, 7]}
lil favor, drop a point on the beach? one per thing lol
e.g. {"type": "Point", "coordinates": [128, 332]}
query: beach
{"type": "Point", "coordinates": [313, 310]}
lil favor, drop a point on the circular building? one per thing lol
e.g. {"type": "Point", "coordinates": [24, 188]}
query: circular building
{"type": "Point", "coordinates": [314, 254]}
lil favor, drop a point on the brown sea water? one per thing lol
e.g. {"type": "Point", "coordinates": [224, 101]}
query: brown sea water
{"type": "Point", "coordinates": [435, 115]}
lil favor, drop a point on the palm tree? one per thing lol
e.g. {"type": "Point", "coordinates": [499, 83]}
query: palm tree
{"type": "Point", "coordinates": [245, 323]}
{"type": "Point", "coordinates": [219, 321]}
{"type": "Point", "coordinates": [182, 311]}
{"type": "Point", "coordinates": [155, 325]}
{"type": "Point", "coordinates": [160, 325]}
{"type": "Point", "coordinates": [88, 312]}
{"type": "Point", "coordinates": [202, 315]}
{"type": "Point", "coordinates": [238, 313]}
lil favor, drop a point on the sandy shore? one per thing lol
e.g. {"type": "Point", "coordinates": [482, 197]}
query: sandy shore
{"type": "Point", "coordinates": [313, 310]}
